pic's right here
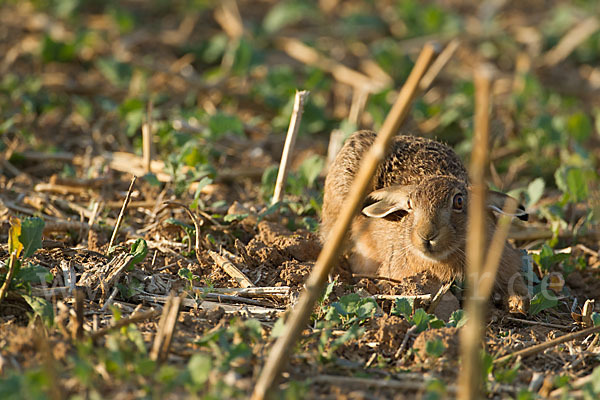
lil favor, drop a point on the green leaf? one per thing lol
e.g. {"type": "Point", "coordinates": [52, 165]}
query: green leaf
{"type": "Point", "coordinates": [189, 230]}
{"type": "Point", "coordinates": [35, 274]}
{"type": "Point", "coordinates": [458, 319]}
{"type": "Point", "coordinates": [352, 333]}
{"type": "Point", "coordinates": [435, 348]}
{"type": "Point", "coordinates": [31, 235]}
{"type": "Point", "coordinates": [57, 51]}
{"type": "Point", "coordinates": [366, 309]}
{"type": "Point", "coordinates": [542, 301]}
{"type": "Point", "coordinates": [525, 394]}
{"type": "Point", "coordinates": [573, 182]}
{"type": "Point", "coordinates": [507, 375]}
{"type": "Point", "coordinates": [577, 184]}
{"type": "Point", "coordinates": [579, 126]}
{"type": "Point", "coordinates": [205, 181]}
{"type": "Point", "coordinates": [199, 367]}
{"type": "Point", "coordinates": [328, 290]}
{"type": "Point", "coordinates": [234, 217]}
{"type": "Point", "coordinates": [277, 329]}
{"type": "Point", "coordinates": [487, 364]}
{"type": "Point", "coordinates": [267, 181]}
{"type": "Point", "coordinates": [152, 179]}
{"type": "Point", "coordinates": [403, 307]}
{"type": "Point", "coordinates": [245, 55]}
{"type": "Point", "coordinates": [421, 320]}
{"type": "Point", "coordinates": [117, 73]}
{"type": "Point", "coordinates": [311, 168]}
{"type": "Point", "coordinates": [333, 314]}
{"type": "Point", "coordinates": [285, 13]}
{"type": "Point", "coordinates": [41, 308]}
{"type": "Point", "coordinates": [547, 258]}
{"type": "Point", "coordinates": [186, 274]}
{"type": "Point", "coordinates": [596, 318]}
{"type": "Point", "coordinates": [436, 389]}
{"type": "Point", "coordinates": [535, 190]}
{"type": "Point", "coordinates": [139, 250]}
{"type": "Point", "coordinates": [221, 123]}
{"type": "Point", "coordinates": [435, 323]}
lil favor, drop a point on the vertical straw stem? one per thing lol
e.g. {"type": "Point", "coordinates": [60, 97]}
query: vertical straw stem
{"type": "Point", "coordinates": [147, 139]}
{"type": "Point", "coordinates": [470, 374]}
{"type": "Point", "coordinates": [290, 141]}
{"type": "Point", "coordinates": [299, 316]}
{"type": "Point", "coordinates": [120, 218]}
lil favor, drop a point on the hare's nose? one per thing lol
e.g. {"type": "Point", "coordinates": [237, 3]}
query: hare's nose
{"type": "Point", "coordinates": [429, 239]}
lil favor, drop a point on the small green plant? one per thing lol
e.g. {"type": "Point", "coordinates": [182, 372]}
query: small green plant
{"type": "Point", "coordinates": [435, 348]}
{"type": "Point", "coordinates": [346, 314]}
{"type": "Point", "coordinates": [25, 237]}
{"type": "Point", "coordinates": [420, 318]}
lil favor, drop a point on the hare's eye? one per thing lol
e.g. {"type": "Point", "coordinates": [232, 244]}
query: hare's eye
{"type": "Point", "coordinates": [458, 202]}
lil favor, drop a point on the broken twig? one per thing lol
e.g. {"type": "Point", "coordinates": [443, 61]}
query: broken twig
{"type": "Point", "coordinates": [231, 269]}
{"type": "Point", "coordinates": [288, 148]}
{"type": "Point", "coordinates": [120, 218]}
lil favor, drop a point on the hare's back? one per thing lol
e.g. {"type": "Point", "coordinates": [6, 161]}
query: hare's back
{"type": "Point", "coordinates": [412, 158]}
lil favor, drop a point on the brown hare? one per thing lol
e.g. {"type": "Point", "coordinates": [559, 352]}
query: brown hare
{"type": "Point", "coordinates": [414, 218]}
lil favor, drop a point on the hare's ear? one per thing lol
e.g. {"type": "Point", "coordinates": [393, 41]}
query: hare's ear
{"type": "Point", "coordinates": [497, 201]}
{"type": "Point", "coordinates": [387, 201]}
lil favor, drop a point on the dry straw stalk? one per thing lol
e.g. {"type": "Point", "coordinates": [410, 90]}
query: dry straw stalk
{"type": "Point", "coordinates": [470, 374]}
{"type": "Point", "coordinates": [299, 316]}
{"type": "Point", "coordinates": [290, 141]}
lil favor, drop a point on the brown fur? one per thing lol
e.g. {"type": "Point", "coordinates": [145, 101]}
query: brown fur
{"type": "Point", "coordinates": [420, 178]}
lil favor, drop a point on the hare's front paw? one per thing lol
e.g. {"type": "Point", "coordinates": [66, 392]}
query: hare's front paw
{"type": "Point", "coordinates": [518, 304]}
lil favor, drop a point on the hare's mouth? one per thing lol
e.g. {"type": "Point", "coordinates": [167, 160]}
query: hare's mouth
{"type": "Point", "coordinates": [433, 255]}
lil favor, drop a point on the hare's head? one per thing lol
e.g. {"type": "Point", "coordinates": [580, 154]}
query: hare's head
{"type": "Point", "coordinates": [431, 214]}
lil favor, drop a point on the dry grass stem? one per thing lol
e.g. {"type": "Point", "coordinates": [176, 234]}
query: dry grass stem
{"type": "Point", "coordinates": [11, 272]}
{"type": "Point", "coordinates": [438, 65]}
{"type": "Point", "coordinates": [69, 275]}
{"type": "Point", "coordinates": [539, 323]}
{"type": "Point", "coordinates": [471, 335]}
{"type": "Point", "coordinates": [77, 332]}
{"type": "Point", "coordinates": [247, 309]}
{"type": "Point", "coordinates": [573, 38]}
{"type": "Point", "coordinates": [336, 140]}
{"type": "Point", "coordinates": [147, 140]}
{"type": "Point", "coordinates": [373, 277]}
{"type": "Point", "coordinates": [231, 269]}
{"type": "Point", "coordinates": [495, 249]}
{"type": "Point", "coordinates": [269, 291]}
{"type": "Point", "coordinates": [120, 218]}
{"type": "Point", "coordinates": [92, 218]}
{"type": "Point", "coordinates": [359, 101]}
{"type": "Point", "coordinates": [408, 384]}
{"type": "Point", "coordinates": [307, 55]}
{"type": "Point", "coordinates": [166, 329]}
{"type": "Point", "coordinates": [438, 297]}
{"type": "Point", "coordinates": [299, 316]}
{"type": "Point", "coordinates": [138, 317]}
{"type": "Point", "coordinates": [538, 348]}
{"type": "Point", "coordinates": [288, 148]}
{"type": "Point", "coordinates": [55, 391]}
{"type": "Point", "coordinates": [420, 297]}
{"type": "Point", "coordinates": [535, 233]}
{"type": "Point", "coordinates": [60, 189]}
{"type": "Point", "coordinates": [130, 163]}
{"type": "Point", "coordinates": [229, 18]}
